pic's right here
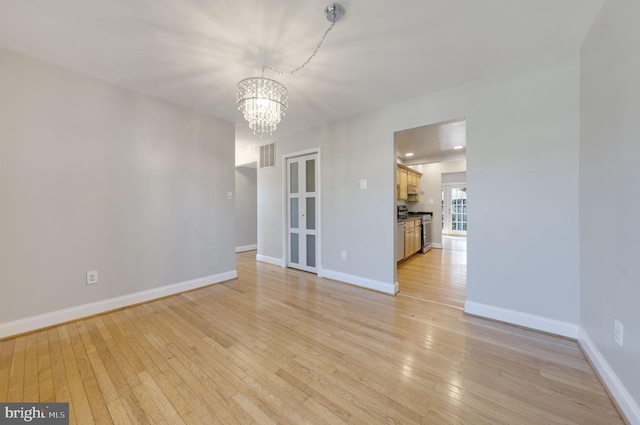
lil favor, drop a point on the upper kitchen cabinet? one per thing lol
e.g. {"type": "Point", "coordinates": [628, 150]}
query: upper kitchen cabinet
{"type": "Point", "coordinates": [408, 183]}
{"type": "Point", "coordinates": [403, 184]}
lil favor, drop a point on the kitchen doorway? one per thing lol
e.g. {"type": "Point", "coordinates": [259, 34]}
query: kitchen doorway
{"type": "Point", "coordinates": [437, 153]}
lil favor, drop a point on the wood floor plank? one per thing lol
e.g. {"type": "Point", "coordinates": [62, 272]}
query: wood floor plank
{"type": "Point", "coordinates": [31, 383]}
{"type": "Point", "coordinates": [100, 372]}
{"type": "Point", "coordinates": [45, 375]}
{"type": "Point", "coordinates": [148, 406]}
{"type": "Point", "coordinates": [134, 409]}
{"type": "Point", "coordinates": [59, 372]}
{"type": "Point", "coordinates": [118, 412]}
{"type": "Point", "coordinates": [179, 403]}
{"type": "Point", "coordinates": [111, 380]}
{"type": "Point", "coordinates": [196, 404]}
{"type": "Point", "coordinates": [153, 357]}
{"type": "Point", "coordinates": [165, 406]}
{"type": "Point", "coordinates": [79, 397]}
{"type": "Point", "coordinates": [249, 405]}
{"type": "Point", "coordinates": [16, 373]}
{"type": "Point", "coordinates": [6, 359]}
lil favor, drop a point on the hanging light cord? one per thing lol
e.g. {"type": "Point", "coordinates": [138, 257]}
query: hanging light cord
{"type": "Point", "coordinates": [277, 71]}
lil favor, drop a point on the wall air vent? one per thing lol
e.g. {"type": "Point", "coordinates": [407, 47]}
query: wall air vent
{"type": "Point", "coordinates": [268, 155]}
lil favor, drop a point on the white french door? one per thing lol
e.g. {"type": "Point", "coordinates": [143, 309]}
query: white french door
{"type": "Point", "coordinates": [454, 209]}
{"type": "Point", "coordinates": [302, 212]}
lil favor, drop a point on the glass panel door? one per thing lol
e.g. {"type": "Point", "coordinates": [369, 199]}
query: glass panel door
{"type": "Point", "coordinates": [302, 214]}
{"type": "Point", "coordinates": [454, 209]}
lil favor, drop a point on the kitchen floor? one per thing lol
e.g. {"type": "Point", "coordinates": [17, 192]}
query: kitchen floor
{"type": "Point", "coordinates": [438, 276]}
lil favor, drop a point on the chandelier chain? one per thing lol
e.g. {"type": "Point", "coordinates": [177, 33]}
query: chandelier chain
{"type": "Point", "coordinates": [277, 71]}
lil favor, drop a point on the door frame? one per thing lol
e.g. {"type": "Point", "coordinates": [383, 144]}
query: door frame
{"type": "Point", "coordinates": [285, 239]}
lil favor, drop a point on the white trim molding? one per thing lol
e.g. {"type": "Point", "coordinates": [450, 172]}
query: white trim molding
{"type": "Point", "coordinates": [375, 285]}
{"type": "Point", "coordinates": [30, 324]}
{"type": "Point", "coordinates": [540, 323]}
{"type": "Point", "coordinates": [246, 248]}
{"type": "Point", "coordinates": [271, 260]}
{"type": "Point", "coordinates": [616, 388]}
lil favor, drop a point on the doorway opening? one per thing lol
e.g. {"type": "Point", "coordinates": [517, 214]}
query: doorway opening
{"type": "Point", "coordinates": [437, 154]}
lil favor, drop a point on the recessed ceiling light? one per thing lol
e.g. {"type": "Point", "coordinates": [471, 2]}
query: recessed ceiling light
{"type": "Point", "coordinates": [408, 154]}
{"type": "Point", "coordinates": [458, 147]}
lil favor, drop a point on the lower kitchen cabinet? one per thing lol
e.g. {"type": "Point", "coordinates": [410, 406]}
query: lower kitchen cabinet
{"type": "Point", "coordinates": [417, 237]}
{"type": "Point", "coordinates": [399, 242]}
{"type": "Point", "coordinates": [412, 237]}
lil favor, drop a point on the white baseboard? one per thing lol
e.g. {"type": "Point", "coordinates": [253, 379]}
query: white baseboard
{"type": "Point", "coordinates": [436, 245]}
{"type": "Point", "coordinates": [30, 324]}
{"type": "Point", "coordinates": [246, 248]}
{"type": "Point", "coordinates": [617, 389]}
{"type": "Point", "coordinates": [519, 318]}
{"type": "Point", "coordinates": [271, 260]}
{"type": "Point", "coordinates": [387, 288]}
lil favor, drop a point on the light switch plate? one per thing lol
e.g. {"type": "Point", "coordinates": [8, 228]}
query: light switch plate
{"type": "Point", "coordinates": [618, 332]}
{"type": "Point", "coordinates": [92, 277]}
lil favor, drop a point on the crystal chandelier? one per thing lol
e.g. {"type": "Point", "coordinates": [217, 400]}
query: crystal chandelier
{"type": "Point", "coordinates": [263, 101]}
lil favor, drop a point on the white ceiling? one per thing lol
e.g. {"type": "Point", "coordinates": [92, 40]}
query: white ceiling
{"type": "Point", "coordinates": [193, 52]}
{"type": "Point", "coordinates": [432, 143]}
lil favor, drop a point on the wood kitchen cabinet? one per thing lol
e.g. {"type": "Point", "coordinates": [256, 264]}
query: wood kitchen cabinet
{"type": "Point", "coordinates": [412, 237]}
{"type": "Point", "coordinates": [417, 237]}
{"type": "Point", "coordinates": [408, 183]}
{"type": "Point", "coordinates": [403, 176]}
{"type": "Point", "coordinates": [408, 238]}
{"type": "Point", "coordinates": [412, 179]}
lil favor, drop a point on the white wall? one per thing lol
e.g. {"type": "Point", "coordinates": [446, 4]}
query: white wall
{"type": "Point", "coordinates": [431, 185]}
{"type": "Point", "coordinates": [522, 131]}
{"type": "Point", "coordinates": [96, 177]}
{"type": "Point", "coordinates": [246, 208]}
{"type": "Point", "coordinates": [609, 179]}
{"type": "Point", "coordinates": [455, 177]}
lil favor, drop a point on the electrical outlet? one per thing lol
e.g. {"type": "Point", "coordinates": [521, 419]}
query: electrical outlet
{"type": "Point", "coordinates": [92, 277]}
{"type": "Point", "coordinates": [343, 256]}
{"type": "Point", "coordinates": [618, 332]}
{"type": "Point", "coordinates": [229, 195]}
{"type": "Point", "coordinates": [363, 183]}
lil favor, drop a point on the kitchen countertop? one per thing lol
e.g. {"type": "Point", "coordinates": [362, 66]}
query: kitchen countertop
{"type": "Point", "coordinates": [415, 217]}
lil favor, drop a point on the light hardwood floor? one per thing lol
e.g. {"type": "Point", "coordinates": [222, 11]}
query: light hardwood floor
{"type": "Point", "coordinates": [282, 346]}
{"type": "Point", "coordinates": [438, 276]}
